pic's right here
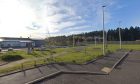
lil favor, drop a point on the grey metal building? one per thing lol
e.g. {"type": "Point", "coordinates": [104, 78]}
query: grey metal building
{"type": "Point", "coordinates": [7, 42]}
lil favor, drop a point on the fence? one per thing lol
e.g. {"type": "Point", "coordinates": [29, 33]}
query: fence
{"type": "Point", "coordinates": [116, 42]}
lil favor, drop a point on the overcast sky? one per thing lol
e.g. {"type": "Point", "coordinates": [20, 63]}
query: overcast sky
{"type": "Point", "coordinates": [35, 18]}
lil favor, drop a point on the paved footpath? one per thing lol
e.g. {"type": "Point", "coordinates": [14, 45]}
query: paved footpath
{"type": "Point", "coordinates": [29, 75]}
{"type": "Point", "coordinates": [128, 72]}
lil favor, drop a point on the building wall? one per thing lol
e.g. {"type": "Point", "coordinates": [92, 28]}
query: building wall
{"type": "Point", "coordinates": [14, 44]}
{"type": "Point", "coordinates": [7, 42]}
{"type": "Point", "coordinates": [10, 44]}
{"type": "Point", "coordinates": [39, 43]}
{"type": "Point", "coordinates": [23, 44]}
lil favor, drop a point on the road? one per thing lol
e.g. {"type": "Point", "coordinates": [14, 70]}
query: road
{"type": "Point", "coordinates": [126, 73]}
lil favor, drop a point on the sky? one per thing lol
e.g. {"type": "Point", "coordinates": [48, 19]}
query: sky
{"type": "Point", "coordinates": [45, 18]}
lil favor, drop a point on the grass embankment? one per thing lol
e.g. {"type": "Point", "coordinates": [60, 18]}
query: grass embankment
{"type": "Point", "coordinates": [21, 60]}
{"type": "Point", "coordinates": [79, 54]}
{"type": "Point", "coordinates": [88, 53]}
{"type": "Point", "coordinates": [13, 55]}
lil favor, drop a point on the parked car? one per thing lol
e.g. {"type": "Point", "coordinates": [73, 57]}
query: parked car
{"type": "Point", "coordinates": [10, 49]}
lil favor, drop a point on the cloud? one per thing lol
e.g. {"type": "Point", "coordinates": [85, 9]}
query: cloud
{"type": "Point", "coordinates": [58, 16]}
{"type": "Point", "coordinates": [14, 17]}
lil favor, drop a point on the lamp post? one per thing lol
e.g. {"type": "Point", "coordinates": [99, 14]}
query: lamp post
{"type": "Point", "coordinates": [120, 35]}
{"type": "Point", "coordinates": [105, 37]}
{"type": "Point", "coordinates": [73, 40]}
{"type": "Point", "coordinates": [95, 40]}
{"type": "Point", "coordinates": [103, 31]}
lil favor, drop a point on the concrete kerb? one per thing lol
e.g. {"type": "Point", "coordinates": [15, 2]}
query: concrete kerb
{"type": "Point", "coordinates": [84, 72]}
{"type": "Point", "coordinates": [119, 61]}
{"type": "Point", "coordinates": [64, 72]}
{"type": "Point", "coordinates": [45, 77]}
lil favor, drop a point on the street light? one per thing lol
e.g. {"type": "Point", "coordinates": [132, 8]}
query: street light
{"type": "Point", "coordinates": [95, 40]}
{"type": "Point", "coordinates": [106, 39]}
{"type": "Point", "coordinates": [103, 31]}
{"type": "Point", "coordinates": [73, 40]}
{"type": "Point", "coordinates": [120, 35]}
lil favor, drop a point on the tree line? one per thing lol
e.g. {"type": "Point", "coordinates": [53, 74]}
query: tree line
{"type": "Point", "coordinates": [127, 34]}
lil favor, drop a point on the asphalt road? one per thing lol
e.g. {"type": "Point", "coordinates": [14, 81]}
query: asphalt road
{"type": "Point", "coordinates": [126, 73]}
{"type": "Point", "coordinates": [29, 75]}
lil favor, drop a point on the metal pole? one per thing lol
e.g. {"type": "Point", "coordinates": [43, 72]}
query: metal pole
{"type": "Point", "coordinates": [106, 39]}
{"type": "Point", "coordinates": [120, 35]}
{"type": "Point", "coordinates": [103, 31]}
{"type": "Point", "coordinates": [73, 41]}
{"type": "Point", "coordinates": [95, 41]}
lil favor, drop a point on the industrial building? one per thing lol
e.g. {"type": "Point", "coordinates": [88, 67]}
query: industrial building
{"type": "Point", "coordinates": [7, 42]}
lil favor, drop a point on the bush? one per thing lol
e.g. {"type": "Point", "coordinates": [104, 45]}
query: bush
{"type": "Point", "coordinates": [73, 61]}
{"type": "Point", "coordinates": [10, 58]}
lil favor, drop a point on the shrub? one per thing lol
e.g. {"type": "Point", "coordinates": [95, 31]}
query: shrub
{"type": "Point", "coordinates": [10, 58]}
{"type": "Point", "coordinates": [73, 61]}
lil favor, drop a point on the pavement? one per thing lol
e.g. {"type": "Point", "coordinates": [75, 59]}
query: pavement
{"type": "Point", "coordinates": [97, 66]}
{"type": "Point", "coordinates": [128, 72]}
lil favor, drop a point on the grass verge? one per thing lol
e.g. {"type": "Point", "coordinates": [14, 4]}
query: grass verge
{"type": "Point", "coordinates": [79, 54]}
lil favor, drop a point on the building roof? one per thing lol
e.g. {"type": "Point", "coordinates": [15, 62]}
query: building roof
{"type": "Point", "coordinates": [14, 38]}
{"type": "Point", "coordinates": [19, 39]}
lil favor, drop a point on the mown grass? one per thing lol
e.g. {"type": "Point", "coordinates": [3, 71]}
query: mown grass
{"type": "Point", "coordinates": [10, 69]}
{"type": "Point", "coordinates": [18, 55]}
{"type": "Point", "coordinates": [131, 46]}
{"type": "Point", "coordinates": [79, 54]}
{"type": "Point", "coordinates": [23, 66]}
{"type": "Point", "coordinates": [90, 52]}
